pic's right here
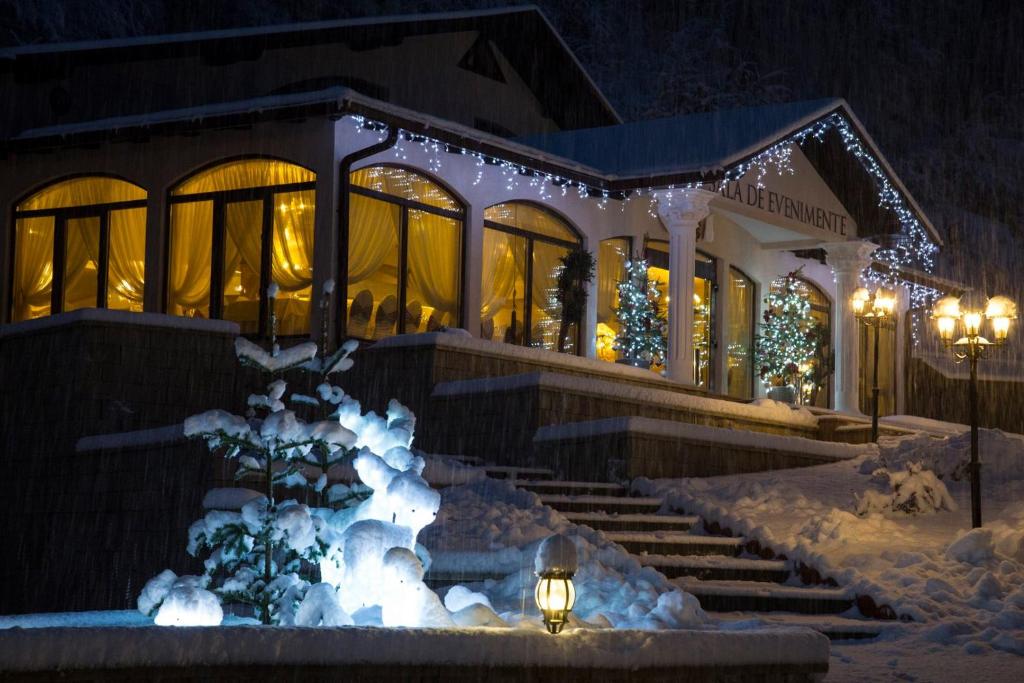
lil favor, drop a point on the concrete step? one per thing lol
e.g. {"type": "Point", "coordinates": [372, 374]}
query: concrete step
{"type": "Point", "coordinates": [518, 473]}
{"type": "Point", "coordinates": [573, 488]}
{"type": "Point", "coordinates": [610, 504]}
{"type": "Point", "coordinates": [835, 627]}
{"type": "Point", "coordinates": [603, 521]}
{"type": "Point", "coordinates": [675, 543]}
{"type": "Point", "coordinates": [718, 568]}
{"type": "Point", "coordinates": [755, 596]}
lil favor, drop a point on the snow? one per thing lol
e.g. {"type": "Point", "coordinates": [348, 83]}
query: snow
{"type": "Point", "coordinates": [321, 607]}
{"type": "Point", "coordinates": [142, 437]}
{"type": "Point", "coordinates": [491, 527]}
{"type": "Point", "coordinates": [63, 648]}
{"type": "Point", "coordinates": [924, 424]}
{"type": "Point", "coordinates": [254, 354]}
{"type": "Point", "coordinates": [187, 605]}
{"type": "Point", "coordinates": [716, 435]}
{"type": "Point", "coordinates": [964, 590]}
{"type": "Point", "coordinates": [763, 410]}
{"type": "Point", "coordinates": [106, 315]}
{"type": "Point", "coordinates": [556, 554]}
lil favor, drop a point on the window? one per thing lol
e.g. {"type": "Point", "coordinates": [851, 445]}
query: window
{"type": "Point", "coordinates": [405, 239]}
{"type": "Point", "coordinates": [235, 228]}
{"type": "Point", "coordinates": [739, 336]}
{"type": "Point", "coordinates": [704, 287]}
{"type": "Point", "coordinates": [523, 247]}
{"type": "Point", "coordinates": [819, 393]}
{"type": "Point", "coordinates": [79, 243]}
{"type": "Point", "coordinates": [611, 270]}
{"type": "Point", "coordinates": [886, 368]}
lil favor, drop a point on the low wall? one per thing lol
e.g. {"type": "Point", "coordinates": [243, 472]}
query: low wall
{"type": "Point", "coordinates": [932, 394]}
{"type": "Point", "coordinates": [243, 653]}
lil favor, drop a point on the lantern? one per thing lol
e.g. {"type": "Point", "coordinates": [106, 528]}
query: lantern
{"type": "Point", "coordinates": [1000, 310]}
{"type": "Point", "coordinates": [555, 565]}
{"type": "Point", "coordinates": [859, 300]}
{"type": "Point", "coordinates": [972, 323]}
{"type": "Point", "coordinates": [946, 313]}
{"type": "Point", "coordinates": [884, 304]}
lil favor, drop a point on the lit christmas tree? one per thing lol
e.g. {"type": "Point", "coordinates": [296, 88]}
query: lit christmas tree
{"type": "Point", "coordinates": [643, 331]}
{"type": "Point", "coordinates": [789, 337]}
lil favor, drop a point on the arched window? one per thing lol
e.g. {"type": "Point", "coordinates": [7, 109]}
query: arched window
{"type": "Point", "coordinates": [611, 270]}
{"type": "Point", "coordinates": [405, 236]}
{"type": "Point", "coordinates": [79, 243]}
{"type": "Point", "coordinates": [235, 228]}
{"type": "Point", "coordinates": [819, 394]}
{"type": "Point", "coordinates": [739, 335]}
{"type": "Point", "coordinates": [523, 247]}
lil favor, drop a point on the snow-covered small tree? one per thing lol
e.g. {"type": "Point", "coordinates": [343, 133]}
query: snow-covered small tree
{"type": "Point", "coordinates": [643, 330]}
{"type": "Point", "coordinates": [789, 336]}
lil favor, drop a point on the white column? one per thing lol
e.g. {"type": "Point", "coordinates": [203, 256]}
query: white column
{"type": "Point", "coordinates": [847, 260]}
{"type": "Point", "coordinates": [474, 267]}
{"type": "Point", "coordinates": [681, 211]}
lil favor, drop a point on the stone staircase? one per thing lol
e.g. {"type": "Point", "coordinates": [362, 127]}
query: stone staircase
{"type": "Point", "coordinates": [731, 583]}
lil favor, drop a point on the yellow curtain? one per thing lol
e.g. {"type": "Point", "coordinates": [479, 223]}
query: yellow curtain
{"type": "Point", "coordinates": [406, 184]}
{"type": "Point", "coordinates": [126, 266]}
{"type": "Point", "coordinates": [244, 173]}
{"type": "Point", "coordinates": [498, 272]}
{"type": "Point", "coordinates": [434, 261]}
{"type": "Point", "coordinates": [33, 268]}
{"type": "Point", "coordinates": [190, 258]}
{"type": "Point", "coordinates": [33, 254]}
{"type": "Point", "coordinates": [531, 219]}
{"type": "Point", "coordinates": [372, 235]}
{"type": "Point", "coordinates": [611, 269]}
{"type": "Point", "coordinates": [292, 260]}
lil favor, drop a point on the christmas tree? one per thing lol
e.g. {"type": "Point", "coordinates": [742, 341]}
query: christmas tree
{"type": "Point", "coordinates": [789, 337]}
{"type": "Point", "coordinates": [643, 331]}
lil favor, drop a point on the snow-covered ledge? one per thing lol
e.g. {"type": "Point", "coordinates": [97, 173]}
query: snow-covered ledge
{"type": "Point", "coordinates": [462, 341]}
{"type": "Point", "coordinates": [157, 436]}
{"type": "Point", "coordinates": [777, 652]}
{"type": "Point", "coordinates": [104, 315]}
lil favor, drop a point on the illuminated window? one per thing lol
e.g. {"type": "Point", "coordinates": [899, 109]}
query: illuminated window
{"type": "Point", "coordinates": [523, 248]}
{"type": "Point", "coordinates": [739, 336]}
{"type": "Point", "coordinates": [818, 392]}
{"type": "Point", "coordinates": [704, 281]}
{"type": "Point", "coordinates": [405, 237]}
{"type": "Point", "coordinates": [96, 227]}
{"type": "Point", "coordinates": [611, 270]}
{"type": "Point", "coordinates": [235, 228]}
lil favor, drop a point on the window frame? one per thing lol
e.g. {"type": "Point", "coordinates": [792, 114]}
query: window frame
{"type": "Point", "coordinates": [404, 206]}
{"type": "Point", "coordinates": [218, 232]}
{"type": "Point", "coordinates": [58, 252]}
{"type": "Point", "coordinates": [530, 238]}
{"type": "Point", "coordinates": [753, 326]}
{"type": "Point", "coordinates": [825, 308]}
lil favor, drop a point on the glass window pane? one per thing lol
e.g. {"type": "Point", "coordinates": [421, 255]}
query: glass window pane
{"type": "Point", "coordinates": [372, 267]}
{"type": "Point", "coordinates": [434, 262]}
{"type": "Point", "coordinates": [546, 315]}
{"type": "Point", "coordinates": [703, 303]}
{"type": "Point", "coordinates": [531, 219]}
{"type": "Point", "coordinates": [84, 191]}
{"type": "Point", "coordinates": [739, 332]}
{"type": "Point", "coordinates": [244, 173]}
{"type": "Point", "coordinates": [406, 184]}
{"type": "Point", "coordinates": [292, 260]}
{"type": "Point", "coordinates": [503, 287]}
{"type": "Point", "coordinates": [243, 228]}
{"type": "Point", "coordinates": [188, 291]}
{"type": "Point", "coordinates": [611, 269]}
{"type": "Point", "coordinates": [126, 267]}
{"type": "Point", "coordinates": [33, 268]}
{"type": "Point", "coordinates": [81, 262]}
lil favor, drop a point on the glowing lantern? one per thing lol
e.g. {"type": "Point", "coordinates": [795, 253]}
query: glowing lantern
{"type": "Point", "coordinates": [1000, 310]}
{"type": "Point", "coordinates": [946, 313]}
{"type": "Point", "coordinates": [859, 300]}
{"type": "Point", "coordinates": [555, 565]}
{"type": "Point", "coordinates": [884, 304]}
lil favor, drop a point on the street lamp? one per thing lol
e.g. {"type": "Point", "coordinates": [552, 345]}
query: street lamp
{"type": "Point", "coordinates": [946, 313]}
{"type": "Point", "coordinates": [555, 564]}
{"type": "Point", "coordinates": [873, 311]}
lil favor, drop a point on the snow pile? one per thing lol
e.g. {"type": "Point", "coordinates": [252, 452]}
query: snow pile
{"type": "Point", "coordinates": [180, 601]}
{"type": "Point", "coordinates": [963, 589]}
{"type": "Point", "coordinates": [491, 526]}
{"type": "Point", "coordinates": [913, 491]}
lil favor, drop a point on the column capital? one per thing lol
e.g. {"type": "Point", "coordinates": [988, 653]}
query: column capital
{"type": "Point", "coordinates": [683, 208]}
{"type": "Point", "coordinates": [846, 257]}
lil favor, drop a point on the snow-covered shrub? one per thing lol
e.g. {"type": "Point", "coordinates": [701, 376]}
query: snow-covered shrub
{"type": "Point", "coordinates": [180, 601]}
{"type": "Point", "coordinates": [269, 554]}
{"type": "Point", "coordinates": [913, 491]}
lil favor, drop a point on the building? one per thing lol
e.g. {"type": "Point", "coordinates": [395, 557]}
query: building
{"type": "Point", "coordinates": [436, 168]}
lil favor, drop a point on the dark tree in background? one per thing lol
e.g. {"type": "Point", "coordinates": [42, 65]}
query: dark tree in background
{"type": "Point", "coordinates": [939, 83]}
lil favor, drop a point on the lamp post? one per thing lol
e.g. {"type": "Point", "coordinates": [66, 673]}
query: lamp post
{"type": "Point", "coordinates": [873, 311]}
{"type": "Point", "coordinates": [555, 564]}
{"type": "Point", "coordinates": [971, 346]}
